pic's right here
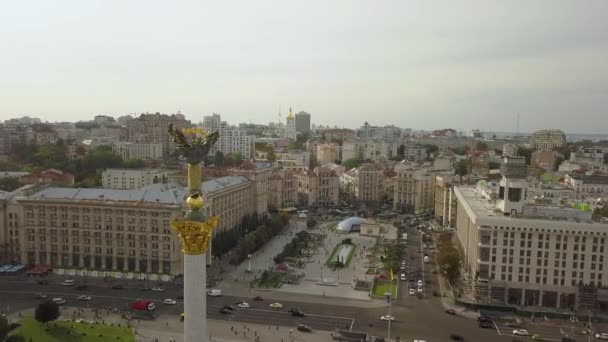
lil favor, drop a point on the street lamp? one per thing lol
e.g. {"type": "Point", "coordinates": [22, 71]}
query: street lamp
{"type": "Point", "coordinates": [388, 296]}
{"type": "Point", "coordinates": [249, 264]}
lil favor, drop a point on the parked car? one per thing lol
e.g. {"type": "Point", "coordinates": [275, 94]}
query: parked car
{"type": "Point", "coordinates": [243, 305]}
{"type": "Point", "coordinates": [456, 337]}
{"type": "Point", "coordinates": [294, 309]}
{"type": "Point", "coordinates": [158, 289]}
{"type": "Point", "coordinates": [170, 301]}
{"type": "Point", "coordinates": [521, 332]}
{"type": "Point", "coordinates": [387, 318]}
{"type": "Point", "coordinates": [84, 297]}
{"type": "Point", "coordinates": [537, 337]}
{"type": "Point", "coordinates": [68, 282]}
{"type": "Point", "coordinates": [258, 298]}
{"type": "Point", "coordinates": [486, 324]}
{"type": "Point", "coordinates": [225, 311]}
{"type": "Point", "coordinates": [214, 292]}
{"type": "Point", "coordinates": [601, 336]}
{"type": "Point", "coordinates": [276, 306]}
{"type": "Point", "coordinates": [412, 292]}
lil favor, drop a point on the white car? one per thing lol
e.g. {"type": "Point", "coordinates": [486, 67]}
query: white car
{"type": "Point", "coordinates": [419, 289]}
{"type": "Point", "coordinates": [412, 292]}
{"type": "Point", "coordinates": [84, 297]}
{"type": "Point", "coordinates": [403, 277]}
{"type": "Point", "coordinates": [387, 318]}
{"type": "Point", "coordinates": [158, 289]}
{"type": "Point", "coordinates": [602, 336]}
{"type": "Point", "coordinates": [68, 282]}
{"type": "Point", "coordinates": [243, 305]}
{"type": "Point", "coordinates": [419, 282]}
{"type": "Point", "coordinates": [520, 332]}
{"type": "Point", "coordinates": [59, 301]}
{"type": "Point", "coordinates": [276, 306]}
{"type": "Point", "coordinates": [170, 301]}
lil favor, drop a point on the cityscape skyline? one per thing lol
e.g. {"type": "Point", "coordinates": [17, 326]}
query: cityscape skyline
{"type": "Point", "coordinates": [410, 64]}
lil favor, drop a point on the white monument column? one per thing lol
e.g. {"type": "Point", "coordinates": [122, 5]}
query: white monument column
{"type": "Point", "coordinates": [194, 232]}
{"type": "Point", "coordinates": [195, 298]}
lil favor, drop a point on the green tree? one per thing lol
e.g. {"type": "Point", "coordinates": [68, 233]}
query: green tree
{"type": "Point", "coordinates": [46, 312]}
{"type": "Point", "coordinates": [525, 152]}
{"type": "Point", "coordinates": [462, 168]}
{"type": "Point", "coordinates": [219, 159]}
{"type": "Point", "coordinates": [3, 327]}
{"type": "Point", "coordinates": [270, 156]}
{"type": "Point", "coordinates": [431, 149]}
{"type": "Point", "coordinates": [15, 338]}
{"type": "Point", "coordinates": [311, 222]}
{"type": "Point", "coordinates": [9, 184]}
{"type": "Point", "coordinates": [133, 164]}
{"type": "Point", "coordinates": [482, 146]}
{"type": "Point", "coordinates": [352, 163]}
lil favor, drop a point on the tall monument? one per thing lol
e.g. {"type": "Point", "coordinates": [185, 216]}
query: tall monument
{"type": "Point", "coordinates": [194, 231]}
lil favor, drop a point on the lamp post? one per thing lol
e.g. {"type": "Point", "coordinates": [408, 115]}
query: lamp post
{"type": "Point", "coordinates": [249, 263]}
{"type": "Point", "coordinates": [389, 297]}
{"type": "Point", "coordinates": [194, 232]}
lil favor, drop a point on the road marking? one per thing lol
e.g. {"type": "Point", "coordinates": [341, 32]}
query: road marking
{"type": "Point", "coordinates": [352, 324]}
{"type": "Point", "coordinates": [497, 329]}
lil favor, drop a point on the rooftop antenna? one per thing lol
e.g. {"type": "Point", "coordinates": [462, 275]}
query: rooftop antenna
{"type": "Point", "coordinates": [517, 125]}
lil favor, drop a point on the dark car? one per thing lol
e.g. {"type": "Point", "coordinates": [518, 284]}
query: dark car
{"type": "Point", "coordinates": [298, 313]}
{"type": "Point", "coordinates": [294, 309]}
{"type": "Point", "coordinates": [43, 282]}
{"type": "Point", "coordinates": [225, 311]}
{"type": "Point", "coordinates": [486, 324]}
{"type": "Point", "coordinates": [456, 337]}
{"type": "Point", "coordinates": [450, 311]}
{"type": "Point", "coordinates": [229, 307]}
{"type": "Point", "coordinates": [179, 297]}
{"type": "Point", "coordinates": [258, 299]}
{"type": "Point", "coordinates": [117, 287]}
{"type": "Point", "coordinates": [482, 319]}
{"type": "Point", "coordinates": [82, 287]}
{"type": "Point", "coordinates": [304, 328]}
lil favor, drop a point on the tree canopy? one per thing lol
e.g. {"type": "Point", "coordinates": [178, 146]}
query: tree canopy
{"type": "Point", "coordinates": [462, 168]}
{"type": "Point", "coordinates": [9, 183]}
{"type": "Point", "coordinates": [352, 163]}
{"type": "Point", "coordinates": [46, 312]}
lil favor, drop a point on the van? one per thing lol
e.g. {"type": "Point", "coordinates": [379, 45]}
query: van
{"type": "Point", "coordinates": [214, 292]}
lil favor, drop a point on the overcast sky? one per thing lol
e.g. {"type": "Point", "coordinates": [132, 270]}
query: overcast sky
{"type": "Point", "coordinates": [421, 64]}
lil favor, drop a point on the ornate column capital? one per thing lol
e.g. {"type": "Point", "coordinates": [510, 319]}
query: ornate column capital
{"type": "Point", "coordinates": [195, 236]}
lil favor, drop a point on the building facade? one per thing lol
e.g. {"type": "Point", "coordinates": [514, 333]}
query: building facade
{"type": "Point", "coordinates": [129, 150]}
{"type": "Point", "coordinates": [546, 160]}
{"type": "Point", "coordinates": [290, 126]}
{"type": "Point", "coordinates": [232, 139]}
{"type": "Point", "coordinates": [153, 130]}
{"type": "Point", "coordinates": [319, 187]}
{"type": "Point", "coordinates": [327, 153]}
{"type": "Point", "coordinates": [588, 187]}
{"type": "Point", "coordinates": [131, 178]}
{"type": "Point", "coordinates": [548, 139]}
{"type": "Point", "coordinates": [282, 189]}
{"type": "Point", "coordinates": [530, 254]}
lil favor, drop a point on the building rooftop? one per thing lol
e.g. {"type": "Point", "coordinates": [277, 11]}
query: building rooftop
{"type": "Point", "coordinates": [593, 179]}
{"type": "Point", "coordinates": [481, 207]}
{"type": "Point", "coordinates": [168, 194]}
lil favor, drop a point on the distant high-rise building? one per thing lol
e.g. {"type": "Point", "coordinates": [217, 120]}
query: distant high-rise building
{"type": "Point", "coordinates": [153, 129]}
{"type": "Point", "coordinates": [290, 126]}
{"type": "Point", "coordinates": [302, 122]}
{"type": "Point", "coordinates": [232, 139]}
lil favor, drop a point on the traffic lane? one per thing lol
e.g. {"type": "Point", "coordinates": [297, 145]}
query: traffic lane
{"type": "Point", "coordinates": [546, 331]}
{"type": "Point", "coordinates": [280, 318]}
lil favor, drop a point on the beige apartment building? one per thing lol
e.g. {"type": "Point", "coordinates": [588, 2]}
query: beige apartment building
{"type": "Point", "coordinates": [142, 151]}
{"type": "Point", "coordinates": [548, 139]}
{"type": "Point", "coordinates": [327, 153]}
{"type": "Point", "coordinates": [414, 185]}
{"type": "Point", "coordinates": [282, 189]}
{"type": "Point", "coordinates": [530, 254]}
{"type": "Point", "coordinates": [368, 184]}
{"type": "Point", "coordinates": [113, 230]}
{"type": "Point", "coordinates": [445, 201]}
{"type": "Point", "coordinates": [132, 178]}
{"type": "Point", "coordinates": [320, 187]}
{"type": "Point", "coordinates": [152, 129]}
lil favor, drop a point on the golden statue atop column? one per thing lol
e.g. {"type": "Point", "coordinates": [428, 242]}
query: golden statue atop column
{"type": "Point", "coordinates": [195, 230]}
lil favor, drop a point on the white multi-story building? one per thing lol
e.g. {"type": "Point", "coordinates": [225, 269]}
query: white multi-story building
{"type": "Point", "coordinates": [530, 254]}
{"type": "Point", "coordinates": [128, 150]}
{"type": "Point", "coordinates": [386, 133]}
{"type": "Point", "coordinates": [548, 139]}
{"type": "Point", "coordinates": [588, 187]}
{"type": "Point", "coordinates": [232, 139]}
{"type": "Point", "coordinates": [374, 150]}
{"type": "Point", "coordinates": [131, 178]}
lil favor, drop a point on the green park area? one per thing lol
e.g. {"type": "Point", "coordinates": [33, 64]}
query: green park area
{"type": "Point", "coordinates": [269, 279]}
{"type": "Point", "coordinates": [380, 288]}
{"type": "Point", "coordinates": [68, 331]}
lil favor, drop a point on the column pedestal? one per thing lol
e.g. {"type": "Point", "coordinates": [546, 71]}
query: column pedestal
{"type": "Point", "coordinates": [195, 298]}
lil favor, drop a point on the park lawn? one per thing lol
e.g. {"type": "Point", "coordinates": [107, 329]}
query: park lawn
{"type": "Point", "coordinates": [58, 331]}
{"type": "Point", "coordinates": [381, 288]}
